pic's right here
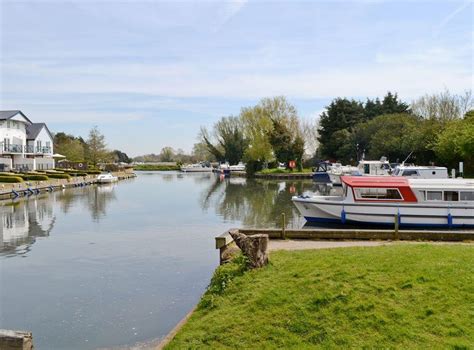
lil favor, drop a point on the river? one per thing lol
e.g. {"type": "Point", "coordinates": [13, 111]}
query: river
{"type": "Point", "coordinates": [113, 265]}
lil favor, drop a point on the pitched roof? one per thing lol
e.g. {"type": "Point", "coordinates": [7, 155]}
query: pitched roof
{"type": "Point", "coordinates": [33, 129]}
{"type": "Point", "coordinates": [10, 114]}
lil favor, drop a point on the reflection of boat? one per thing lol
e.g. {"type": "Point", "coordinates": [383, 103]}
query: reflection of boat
{"type": "Point", "coordinates": [196, 168]}
{"type": "Point", "coordinates": [382, 200]}
{"type": "Point", "coordinates": [106, 178]}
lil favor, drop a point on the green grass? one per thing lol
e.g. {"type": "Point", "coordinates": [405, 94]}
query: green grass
{"type": "Point", "coordinates": [284, 171]}
{"type": "Point", "coordinates": [401, 296]}
{"type": "Point", "coordinates": [151, 167]}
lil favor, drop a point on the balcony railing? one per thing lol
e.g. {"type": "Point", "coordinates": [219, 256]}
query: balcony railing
{"type": "Point", "coordinates": [43, 150]}
{"type": "Point", "coordinates": [12, 148]}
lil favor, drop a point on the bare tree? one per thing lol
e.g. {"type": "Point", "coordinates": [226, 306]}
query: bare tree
{"type": "Point", "coordinates": [444, 106]}
{"type": "Point", "coordinates": [309, 130]}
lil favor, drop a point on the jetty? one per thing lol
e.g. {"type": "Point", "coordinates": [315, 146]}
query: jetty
{"type": "Point", "coordinates": [28, 188]}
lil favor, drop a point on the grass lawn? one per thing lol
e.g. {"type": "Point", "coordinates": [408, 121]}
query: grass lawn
{"type": "Point", "coordinates": [285, 171]}
{"type": "Point", "coordinates": [401, 296]}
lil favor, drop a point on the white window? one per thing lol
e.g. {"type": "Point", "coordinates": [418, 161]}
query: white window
{"type": "Point", "coordinates": [434, 195]}
{"type": "Point", "coordinates": [378, 193]}
{"type": "Point", "coordinates": [467, 196]}
{"type": "Point", "coordinates": [451, 196]}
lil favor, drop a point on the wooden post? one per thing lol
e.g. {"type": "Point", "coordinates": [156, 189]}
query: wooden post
{"type": "Point", "coordinates": [283, 226]}
{"type": "Point", "coordinates": [396, 227]}
{"type": "Point", "coordinates": [15, 340]}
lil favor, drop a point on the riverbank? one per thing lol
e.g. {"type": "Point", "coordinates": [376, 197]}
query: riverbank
{"type": "Point", "coordinates": [154, 167]}
{"type": "Point", "coordinates": [340, 298]}
{"type": "Point", "coordinates": [12, 190]}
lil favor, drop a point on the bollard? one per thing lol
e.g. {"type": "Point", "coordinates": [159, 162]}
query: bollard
{"type": "Point", "coordinates": [283, 226]}
{"type": "Point", "coordinates": [396, 226]}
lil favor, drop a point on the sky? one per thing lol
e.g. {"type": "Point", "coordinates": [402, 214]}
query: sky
{"type": "Point", "coordinates": [150, 73]}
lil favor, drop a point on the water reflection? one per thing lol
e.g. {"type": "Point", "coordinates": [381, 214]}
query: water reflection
{"type": "Point", "coordinates": [258, 203]}
{"type": "Point", "coordinates": [26, 219]}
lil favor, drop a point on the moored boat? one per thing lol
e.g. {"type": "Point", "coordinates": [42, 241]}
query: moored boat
{"type": "Point", "coordinates": [106, 178]}
{"type": "Point", "coordinates": [196, 168]}
{"type": "Point", "coordinates": [382, 200]}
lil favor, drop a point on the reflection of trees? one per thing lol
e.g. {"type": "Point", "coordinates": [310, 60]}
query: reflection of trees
{"type": "Point", "coordinates": [256, 203]}
{"type": "Point", "coordinates": [96, 199]}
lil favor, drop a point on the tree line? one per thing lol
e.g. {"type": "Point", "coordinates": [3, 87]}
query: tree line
{"type": "Point", "coordinates": [93, 150]}
{"type": "Point", "coordinates": [433, 129]}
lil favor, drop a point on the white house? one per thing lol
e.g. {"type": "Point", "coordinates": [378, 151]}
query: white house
{"type": "Point", "coordinates": [24, 145]}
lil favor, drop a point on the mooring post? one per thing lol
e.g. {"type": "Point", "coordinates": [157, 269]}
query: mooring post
{"type": "Point", "coordinates": [283, 226]}
{"type": "Point", "coordinates": [397, 221]}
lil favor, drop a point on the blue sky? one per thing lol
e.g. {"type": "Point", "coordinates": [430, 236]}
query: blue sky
{"type": "Point", "coordinates": [150, 73]}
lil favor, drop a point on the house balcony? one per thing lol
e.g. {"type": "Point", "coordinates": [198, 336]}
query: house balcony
{"type": "Point", "coordinates": [12, 149]}
{"type": "Point", "coordinates": [37, 150]}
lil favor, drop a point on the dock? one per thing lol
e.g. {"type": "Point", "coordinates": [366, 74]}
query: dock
{"type": "Point", "coordinates": [29, 188]}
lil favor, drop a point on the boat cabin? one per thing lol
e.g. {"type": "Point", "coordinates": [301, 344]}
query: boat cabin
{"type": "Point", "coordinates": [422, 172]}
{"type": "Point", "coordinates": [402, 189]}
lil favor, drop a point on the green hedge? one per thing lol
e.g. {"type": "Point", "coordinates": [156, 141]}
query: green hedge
{"type": "Point", "coordinates": [77, 174]}
{"type": "Point", "coordinates": [94, 172]}
{"type": "Point", "coordinates": [10, 179]}
{"type": "Point", "coordinates": [59, 176]}
{"type": "Point", "coordinates": [35, 177]}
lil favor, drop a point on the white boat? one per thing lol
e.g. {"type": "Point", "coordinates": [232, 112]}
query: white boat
{"type": "Point", "coordinates": [196, 168]}
{"type": "Point", "coordinates": [421, 172]}
{"type": "Point", "coordinates": [237, 167]}
{"type": "Point", "coordinates": [382, 200]}
{"type": "Point", "coordinates": [106, 178]}
{"type": "Point", "coordinates": [375, 167]}
{"type": "Point", "coordinates": [337, 170]}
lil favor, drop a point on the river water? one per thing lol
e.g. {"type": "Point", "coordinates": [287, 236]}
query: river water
{"type": "Point", "coordinates": [112, 265]}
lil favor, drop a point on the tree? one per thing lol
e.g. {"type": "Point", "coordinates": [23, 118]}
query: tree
{"type": "Point", "coordinates": [444, 106]}
{"type": "Point", "coordinates": [257, 127]}
{"type": "Point", "coordinates": [120, 157]}
{"type": "Point", "coordinates": [309, 131]}
{"type": "Point", "coordinates": [456, 143]}
{"type": "Point", "coordinates": [339, 115]}
{"type": "Point", "coordinates": [201, 152]}
{"type": "Point", "coordinates": [96, 147]}
{"type": "Point", "coordinates": [167, 154]}
{"type": "Point", "coordinates": [229, 134]}
{"type": "Point", "coordinates": [69, 146]}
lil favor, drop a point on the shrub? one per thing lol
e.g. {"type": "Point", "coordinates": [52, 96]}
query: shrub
{"type": "Point", "coordinates": [34, 177]}
{"type": "Point", "coordinates": [94, 172]}
{"type": "Point", "coordinates": [59, 176]}
{"type": "Point", "coordinates": [77, 174]}
{"type": "Point", "coordinates": [10, 179]}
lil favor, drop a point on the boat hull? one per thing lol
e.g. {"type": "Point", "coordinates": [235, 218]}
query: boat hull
{"type": "Point", "coordinates": [407, 215]}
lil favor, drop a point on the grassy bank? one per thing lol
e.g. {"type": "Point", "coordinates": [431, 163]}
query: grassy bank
{"type": "Point", "coordinates": [152, 167]}
{"type": "Point", "coordinates": [400, 296]}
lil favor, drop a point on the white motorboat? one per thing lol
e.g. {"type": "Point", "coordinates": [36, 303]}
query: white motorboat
{"type": "Point", "coordinates": [196, 168]}
{"type": "Point", "coordinates": [106, 178]}
{"type": "Point", "coordinates": [337, 170]}
{"type": "Point", "coordinates": [421, 172]}
{"type": "Point", "coordinates": [236, 167]}
{"type": "Point", "coordinates": [375, 167]}
{"type": "Point", "coordinates": [382, 200]}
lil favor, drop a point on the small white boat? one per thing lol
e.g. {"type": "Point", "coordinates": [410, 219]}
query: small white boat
{"type": "Point", "coordinates": [381, 200]}
{"type": "Point", "coordinates": [375, 167]}
{"type": "Point", "coordinates": [106, 178]}
{"type": "Point", "coordinates": [196, 168]}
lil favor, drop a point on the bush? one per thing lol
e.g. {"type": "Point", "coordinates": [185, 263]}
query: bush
{"type": "Point", "coordinates": [77, 174]}
{"type": "Point", "coordinates": [10, 179]}
{"type": "Point", "coordinates": [34, 177]}
{"type": "Point", "coordinates": [59, 176]}
{"type": "Point", "coordinates": [94, 172]}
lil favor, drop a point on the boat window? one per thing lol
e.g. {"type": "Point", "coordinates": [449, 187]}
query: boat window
{"type": "Point", "coordinates": [366, 168]}
{"type": "Point", "coordinates": [410, 173]}
{"type": "Point", "coordinates": [377, 193]}
{"type": "Point", "coordinates": [467, 196]}
{"type": "Point", "coordinates": [434, 195]}
{"type": "Point", "coordinates": [451, 196]}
